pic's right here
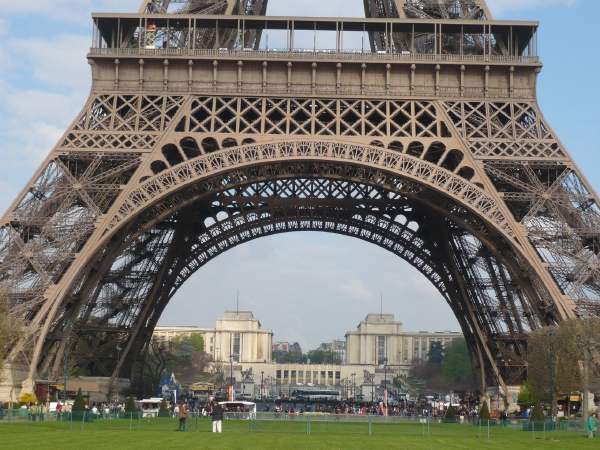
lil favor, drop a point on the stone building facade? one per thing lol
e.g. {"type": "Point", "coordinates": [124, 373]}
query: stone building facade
{"type": "Point", "coordinates": [379, 348]}
{"type": "Point", "coordinates": [237, 337]}
{"type": "Point", "coordinates": [380, 340]}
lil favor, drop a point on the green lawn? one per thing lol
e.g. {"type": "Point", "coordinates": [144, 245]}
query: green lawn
{"type": "Point", "coordinates": [161, 434]}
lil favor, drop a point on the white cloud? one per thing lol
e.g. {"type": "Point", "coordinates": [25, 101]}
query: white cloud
{"type": "Point", "coordinates": [34, 122]}
{"type": "Point", "coordinates": [357, 290]}
{"type": "Point", "coordinates": [41, 56]}
{"type": "Point", "coordinates": [35, 114]}
{"type": "Point", "coordinates": [73, 11]}
{"type": "Point", "coordinates": [501, 6]}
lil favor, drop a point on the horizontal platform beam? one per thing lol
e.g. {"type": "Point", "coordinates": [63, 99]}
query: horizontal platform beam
{"type": "Point", "coordinates": [284, 21]}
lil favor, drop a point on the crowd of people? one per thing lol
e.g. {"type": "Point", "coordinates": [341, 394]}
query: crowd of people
{"type": "Point", "coordinates": [421, 408]}
{"type": "Point", "coordinates": [466, 409]}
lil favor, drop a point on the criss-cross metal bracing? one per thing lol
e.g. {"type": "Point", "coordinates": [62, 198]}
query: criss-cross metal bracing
{"type": "Point", "coordinates": [196, 139]}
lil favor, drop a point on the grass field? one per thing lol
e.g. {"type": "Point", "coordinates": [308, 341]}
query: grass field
{"type": "Point", "coordinates": [161, 434]}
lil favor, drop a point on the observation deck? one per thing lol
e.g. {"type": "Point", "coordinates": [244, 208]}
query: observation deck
{"type": "Point", "coordinates": [315, 55]}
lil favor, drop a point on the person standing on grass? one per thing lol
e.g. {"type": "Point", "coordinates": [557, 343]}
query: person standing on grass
{"type": "Point", "coordinates": [592, 426]}
{"type": "Point", "coordinates": [183, 415]}
{"type": "Point", "coordinates": [217, 418]}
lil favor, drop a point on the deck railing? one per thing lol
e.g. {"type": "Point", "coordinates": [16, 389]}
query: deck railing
{"type": "Point", "coordinates": [286, 54]}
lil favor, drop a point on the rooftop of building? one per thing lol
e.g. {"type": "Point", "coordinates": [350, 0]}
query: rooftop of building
{"type": "Point", "coordinates": [238, 315]}
{"type": "Point", "coordinates": [381, 318]}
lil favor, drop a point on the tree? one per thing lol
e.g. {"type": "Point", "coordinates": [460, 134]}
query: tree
{"type": "Point", "coordinates": [197, 342]}
{"type": "Point", "coordinates": [10, 329]}
{"type": "Point", "coordinates": [293, 356]}
{"type": "Point", "coordinates": [323, 357]}
{"type": "Point", "coordinates": [484, 411]}
{"type": "Point", "coordinates": [130, 406]}
{"type": "Point", "coordinates": [164, 410]}
{"type": "Point", "coordinates": [457, 367]}
{"type": "Point", "coordinates": [562, 359]}
{"type": "Point", "coordinates": [154, 362]}
{"type": "Point", "coordinates": [218, 374]}
{"type": "Point", "coordinates": [28, 399]}
{"type": "Point", "coordinates": [79, 403]}
{"type": "Point", "coordinates": [185, 357]}
{"type": "Point", "coordinates": [454, 372]}
{"type": "Point", "coordinates": [537, 415]}
{"type": "Point", "coordinates": [526, 397]}
{"type": "Point", "coordinates": [436, 353]}
{"type": "Point", "coordinates": [582, 342]}
{"type": "Point", "coordinates": [552, 368]}
{"type": "Point", "coordinates": [451, 414]}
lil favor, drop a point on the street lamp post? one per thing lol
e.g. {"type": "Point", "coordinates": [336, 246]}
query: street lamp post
{"type": "Point", "coordinates": [553, 370]}
{"type": "Point", "coordinates": [354, 387]}
{"type": "Point", "coordinates": [262, 374]}
{"type": "Point", "coordinates": [66, 359]}
{"type": "Point", "coordinates": [373, 389]}
{"type": "Point", "coordinates": [65, 371]}
{"type": "Point", "coordinates": [385, 388]}
{"type": "Point", "coordinates": [231, 396]}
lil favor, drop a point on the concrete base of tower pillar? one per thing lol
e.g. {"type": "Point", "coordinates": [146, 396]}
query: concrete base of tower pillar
{"type": "Point", "coordinates": [497, 399]}
{"type": "Point", "coordinates": [13, 383]}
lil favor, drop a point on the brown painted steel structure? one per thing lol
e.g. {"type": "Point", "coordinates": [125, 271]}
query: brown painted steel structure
{"type": "Point", "coordinates": [197, 138]}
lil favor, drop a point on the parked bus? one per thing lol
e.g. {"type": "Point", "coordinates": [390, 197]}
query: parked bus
{"type": "Point", "coordinates": [310, 395]}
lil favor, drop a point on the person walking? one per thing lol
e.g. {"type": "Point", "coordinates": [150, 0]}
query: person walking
{"type": "Point", "coordinates": [183, 416]}
{"type": "Point", "coordinates": [592, 426]}
{"type": "Point", "coordinates": [217, 418]}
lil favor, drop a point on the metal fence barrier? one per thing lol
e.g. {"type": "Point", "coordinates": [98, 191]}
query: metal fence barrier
{"type": "Point", "coordinates": [307, 423]}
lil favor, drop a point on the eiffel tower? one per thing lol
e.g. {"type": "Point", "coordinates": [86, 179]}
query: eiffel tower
{"type": "Point", "coordinates": [209, 125]}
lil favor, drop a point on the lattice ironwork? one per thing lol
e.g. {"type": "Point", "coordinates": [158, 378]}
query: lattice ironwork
{"type": "Point", "coordinates": [504, 130]}
{"type": "Point", "coordinates": [222, 213]}
{"type": "Point", "coordinates": [315, 117]}
{"type": "Point", "coordinates": [147, 186]}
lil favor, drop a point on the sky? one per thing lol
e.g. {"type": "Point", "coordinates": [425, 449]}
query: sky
{"type": "Point", "coordinates": [306, 287]}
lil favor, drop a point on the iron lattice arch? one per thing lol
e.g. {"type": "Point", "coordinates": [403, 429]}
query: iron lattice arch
{"type": "Point", "coordinates": [430, 144]}
{"type": "Point", "coordinates": [176, 237]}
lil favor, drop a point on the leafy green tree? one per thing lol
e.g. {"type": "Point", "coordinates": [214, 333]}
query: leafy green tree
{"type": "Point", "coordinates": [436, 353]}
{"type": "Point", "coordinates": [484, 412]}
{"type": "Point", "coordinates": [552, 369]}
{"type": "Point", "coordinates": [185, 357]}
{"type": "Point", "coordinates": [291, 357]}
{"type": "Point", "coordinates": [451, 414]}
{"type": "Point", "coordinates": [163, 411]}
{"type": "Point", "coordinates": [189, 344]}
{"type": "Point", "coordinates": [457, 367]}
{"type": "Point", "coordinates": [455, 372]}
{"type": "Point", "coordinates": [537, 415]}
{"type": "Point", "coordinates": [79, 403]}
{"type": "Point", "coordinates": [323, 357]}
{"type": "Point", "coordinates": [130, 406]}
{"type": "Point", "coordinates": [526, 397]}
